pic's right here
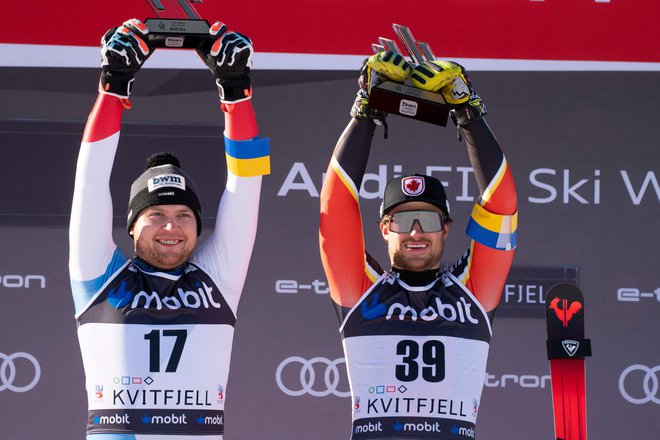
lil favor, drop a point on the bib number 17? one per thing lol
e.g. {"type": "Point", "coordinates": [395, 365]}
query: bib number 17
{"type": "Point", "coordinates": [431, 365]}
{"type": "Point", "coordinates": [154, 349]}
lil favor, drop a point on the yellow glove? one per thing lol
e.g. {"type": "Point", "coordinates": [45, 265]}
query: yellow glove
{"type": "Point", "coordinates": [446, 77]}
{"type": "Point", "coordinates": [376, 69]}
{"type": "Point", "coordinates": [389, 65]}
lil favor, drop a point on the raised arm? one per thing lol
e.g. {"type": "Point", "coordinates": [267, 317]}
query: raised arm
{"type": "Point", "coordinates": [227, 252]}
{"type": "Point", "coordinates": [347, 268]}
{"type": "Point", "coordinates": [492, 225]}
{"type": "Point", "coordinates": [340, 229]}
{"type": "Point", "coordinates": [92, 252]}
{"type": "Point", "coordinates": [494, 220]}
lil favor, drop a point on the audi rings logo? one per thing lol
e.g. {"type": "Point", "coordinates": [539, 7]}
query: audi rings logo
{"type": "Point", "coordinates": [306, 380]}
{"type": "Point", "coordinates": [649, 388]}
{"type": "Point", "coordinates": [8, 372]}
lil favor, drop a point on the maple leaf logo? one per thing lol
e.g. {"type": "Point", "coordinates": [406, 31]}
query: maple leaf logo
{"type": "Point", "coordinates": [413, 186]}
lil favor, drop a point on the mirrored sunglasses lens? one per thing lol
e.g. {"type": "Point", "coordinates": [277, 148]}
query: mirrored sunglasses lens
{"type": "Point", "coordinates": [428, 220]}
{"type": "Point", "coordinates": [401, 223]}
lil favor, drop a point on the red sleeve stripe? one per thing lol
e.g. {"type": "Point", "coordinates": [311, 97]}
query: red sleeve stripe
{"type": "Point", "coordinates": [240, 121]}
{"type": "Point", "coordinates": [104, 120]}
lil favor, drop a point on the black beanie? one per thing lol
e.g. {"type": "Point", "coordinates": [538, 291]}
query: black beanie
{"type": "Point", "coordinates": [162, 183]}
{"type": "Point", "coordinates": [414, 188]}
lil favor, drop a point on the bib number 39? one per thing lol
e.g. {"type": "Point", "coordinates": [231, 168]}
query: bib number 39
{"type": "Point", "coordinates": [432, 361]}
{"type": "Point", "coordinates": [154, 349]}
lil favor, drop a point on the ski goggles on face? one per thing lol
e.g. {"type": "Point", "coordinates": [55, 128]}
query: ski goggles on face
{"type": "Point", "coordinates": [429, 221]}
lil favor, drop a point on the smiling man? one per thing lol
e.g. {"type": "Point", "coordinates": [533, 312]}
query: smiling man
{"type": "Point", "coordinates": [164, 213]}
{"type": "Point", "coordinates": [416, 337]}
{"type": "Point", "coordinates": [156, 328]}
{"type": "Point", "coordinates": [165, 235]}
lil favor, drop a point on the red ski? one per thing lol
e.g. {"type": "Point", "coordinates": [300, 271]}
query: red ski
{"type": "Point", "coordinates": [567, 349]}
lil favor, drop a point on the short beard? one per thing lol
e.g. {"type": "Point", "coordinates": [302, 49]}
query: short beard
{"type": "Point", "coordinates": [415, 264]}
{"type": "Point", "coordinates": [159, 261]}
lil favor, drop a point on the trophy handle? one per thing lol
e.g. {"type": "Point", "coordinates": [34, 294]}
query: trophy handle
{"type": "Point", "coordinates": [403, 99]}
{"type": "Point", "coordinates": [409, 42]}
{"type": "Point", "coordinates": [418, 51]}
{"type": "Point", "coordinates": [168, 8]}
{"type": "Point", "coordinates": [177, 25]}
{"type": "Point", "coordinates": [426, 49]}
{"type": "Point", "coordinates": [390, 45]}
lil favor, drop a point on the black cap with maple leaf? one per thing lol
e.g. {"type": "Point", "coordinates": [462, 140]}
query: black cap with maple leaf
{"type": "Point", "coordinates": [414, 188]}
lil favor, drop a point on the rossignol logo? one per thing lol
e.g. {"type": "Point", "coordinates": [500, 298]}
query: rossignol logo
{"type": "Point", "coordinates": [570, 346]}
{"type": "Point", "coordinates": [565, 311]}
{"type": "Point", "coordinates": [166, 180]}
{"type": "Point", "coordinates": [202, 298]}
{"type": "Point", "coordinates": [408, 108]}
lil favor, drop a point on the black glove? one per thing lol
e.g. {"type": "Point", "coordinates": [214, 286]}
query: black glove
{"type": "Point", "coordinates": [124, 50]}
{"type": "Point", "coordinates": [229, 58]}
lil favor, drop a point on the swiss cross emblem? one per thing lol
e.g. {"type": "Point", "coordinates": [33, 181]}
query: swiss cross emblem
{"type": "Point", "coordinates": [412, 186]}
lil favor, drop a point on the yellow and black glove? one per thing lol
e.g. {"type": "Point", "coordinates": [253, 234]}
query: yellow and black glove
{"type": "Point", "coordinates": [451, 81]}
{"type": "Point", "coordinates": [377, 68]}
